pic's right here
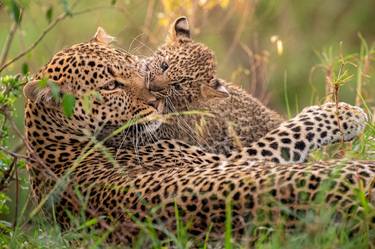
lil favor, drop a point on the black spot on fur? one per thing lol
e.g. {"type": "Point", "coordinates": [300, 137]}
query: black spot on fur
{"type": "Point", "coordinates": [266, 153]}
{"type": "Point", "coordinates": [310, 136]}
{"type": "Point", "coordinates": [308, 123]}
{"type": "Point", "coordinates": [300, 145]}
{"type": "Point", "coordinates": [274, 145]}
{"type": "Point", "coordinates": [296, 129]}
{"type": "Point", "coordinates": [260, 144]}
{"type": "Point", "coordinates": [251, 152]}
{"type": "Point", "coordinates": [296, 156]}
{"type": "Point", "coordinates": [324, 134]}
{"type": "Point", "coordinates": [286, 140]}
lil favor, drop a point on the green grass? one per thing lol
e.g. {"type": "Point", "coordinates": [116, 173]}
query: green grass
{"type": "Point", "coordinates": [316, 228]}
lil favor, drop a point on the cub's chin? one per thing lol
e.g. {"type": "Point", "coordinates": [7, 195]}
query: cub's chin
{"type": "Point", "coordinates": [152, 126]}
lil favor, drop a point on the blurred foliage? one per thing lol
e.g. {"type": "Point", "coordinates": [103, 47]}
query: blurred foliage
{"type": "Point", "coordinates": [10, 163]}
{"type": "Point", "coordinates": [258, 44]}
{"type": "Point", "coordinates": [288, 53]}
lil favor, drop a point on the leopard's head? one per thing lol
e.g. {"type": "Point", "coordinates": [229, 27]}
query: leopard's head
{"type": "Point", "coordinates": [102, 82]}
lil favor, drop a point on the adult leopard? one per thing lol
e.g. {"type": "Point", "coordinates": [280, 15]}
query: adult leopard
{"type": "Point", "coordinates": [66, 157]}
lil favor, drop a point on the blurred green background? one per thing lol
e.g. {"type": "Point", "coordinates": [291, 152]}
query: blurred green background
{"type": "Point", "coordinates": [266, 46]}
{"type": "Point", "coordinates": [285, 52]}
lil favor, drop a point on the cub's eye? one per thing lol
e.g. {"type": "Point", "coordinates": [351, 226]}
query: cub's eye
{"type": "Point", "coordinates": [177, 86]}
{"type": "Point", "coordinates": [164, 66]}
{"type": "Point", "coordinates": [112, 85]}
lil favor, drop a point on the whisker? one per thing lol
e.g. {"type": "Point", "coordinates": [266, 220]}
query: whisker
{"type": "Point", "coordinates": [135, 39]}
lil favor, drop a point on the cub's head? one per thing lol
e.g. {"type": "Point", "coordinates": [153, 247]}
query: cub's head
{"type": "Point", "coordinates": [183, 68]}
{"type": "Point", "coordinates": [101, 81]}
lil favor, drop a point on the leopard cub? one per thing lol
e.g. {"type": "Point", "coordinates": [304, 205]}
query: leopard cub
{"type": "Point", "coordinates": [183, 72]}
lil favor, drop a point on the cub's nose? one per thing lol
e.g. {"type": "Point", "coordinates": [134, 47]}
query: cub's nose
{"type": "Point", "coordinates": [155, 87]}
{"type": "Point", "coordinates": [148, 98]}
{"type": "Point", "coordinates": [158, 83]}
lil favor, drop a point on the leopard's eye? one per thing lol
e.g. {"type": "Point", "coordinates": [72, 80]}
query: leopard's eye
{"type": "Point", "coordinates": [112, 85]}
{"type": "Point", "coordinates": [164, 66]}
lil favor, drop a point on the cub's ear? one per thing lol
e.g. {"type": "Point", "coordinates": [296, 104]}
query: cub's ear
{"type": "Point", "coordinates": [214, 90]}
{"type": "Point", "coordinates": [42, 90]}
{"type": "Point", "coordinates": [102, 37]}
{"type": "Point", "coordinates": [179, 30]}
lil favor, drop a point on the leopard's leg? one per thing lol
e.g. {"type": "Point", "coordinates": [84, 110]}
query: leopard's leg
{"type": "Point", "coordinates": [313, 128]}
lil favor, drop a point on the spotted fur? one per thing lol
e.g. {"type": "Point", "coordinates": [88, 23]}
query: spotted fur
{"type": "Point", "coordinates": [184, 71]}
{"type": "Point", "coordinates": [96, 74]}
{"type": "Point", "coordinates": [121, 187]}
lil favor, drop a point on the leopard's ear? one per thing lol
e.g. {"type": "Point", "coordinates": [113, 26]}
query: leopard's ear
{"type": "Point", "coordinates": [214, 90]}
{"type": "Point", "coordinates": [102, 37]}
{"type": "Point", "coordinates": [179, 29]}
{"type": "Point", "coordinates": [46, 91]}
